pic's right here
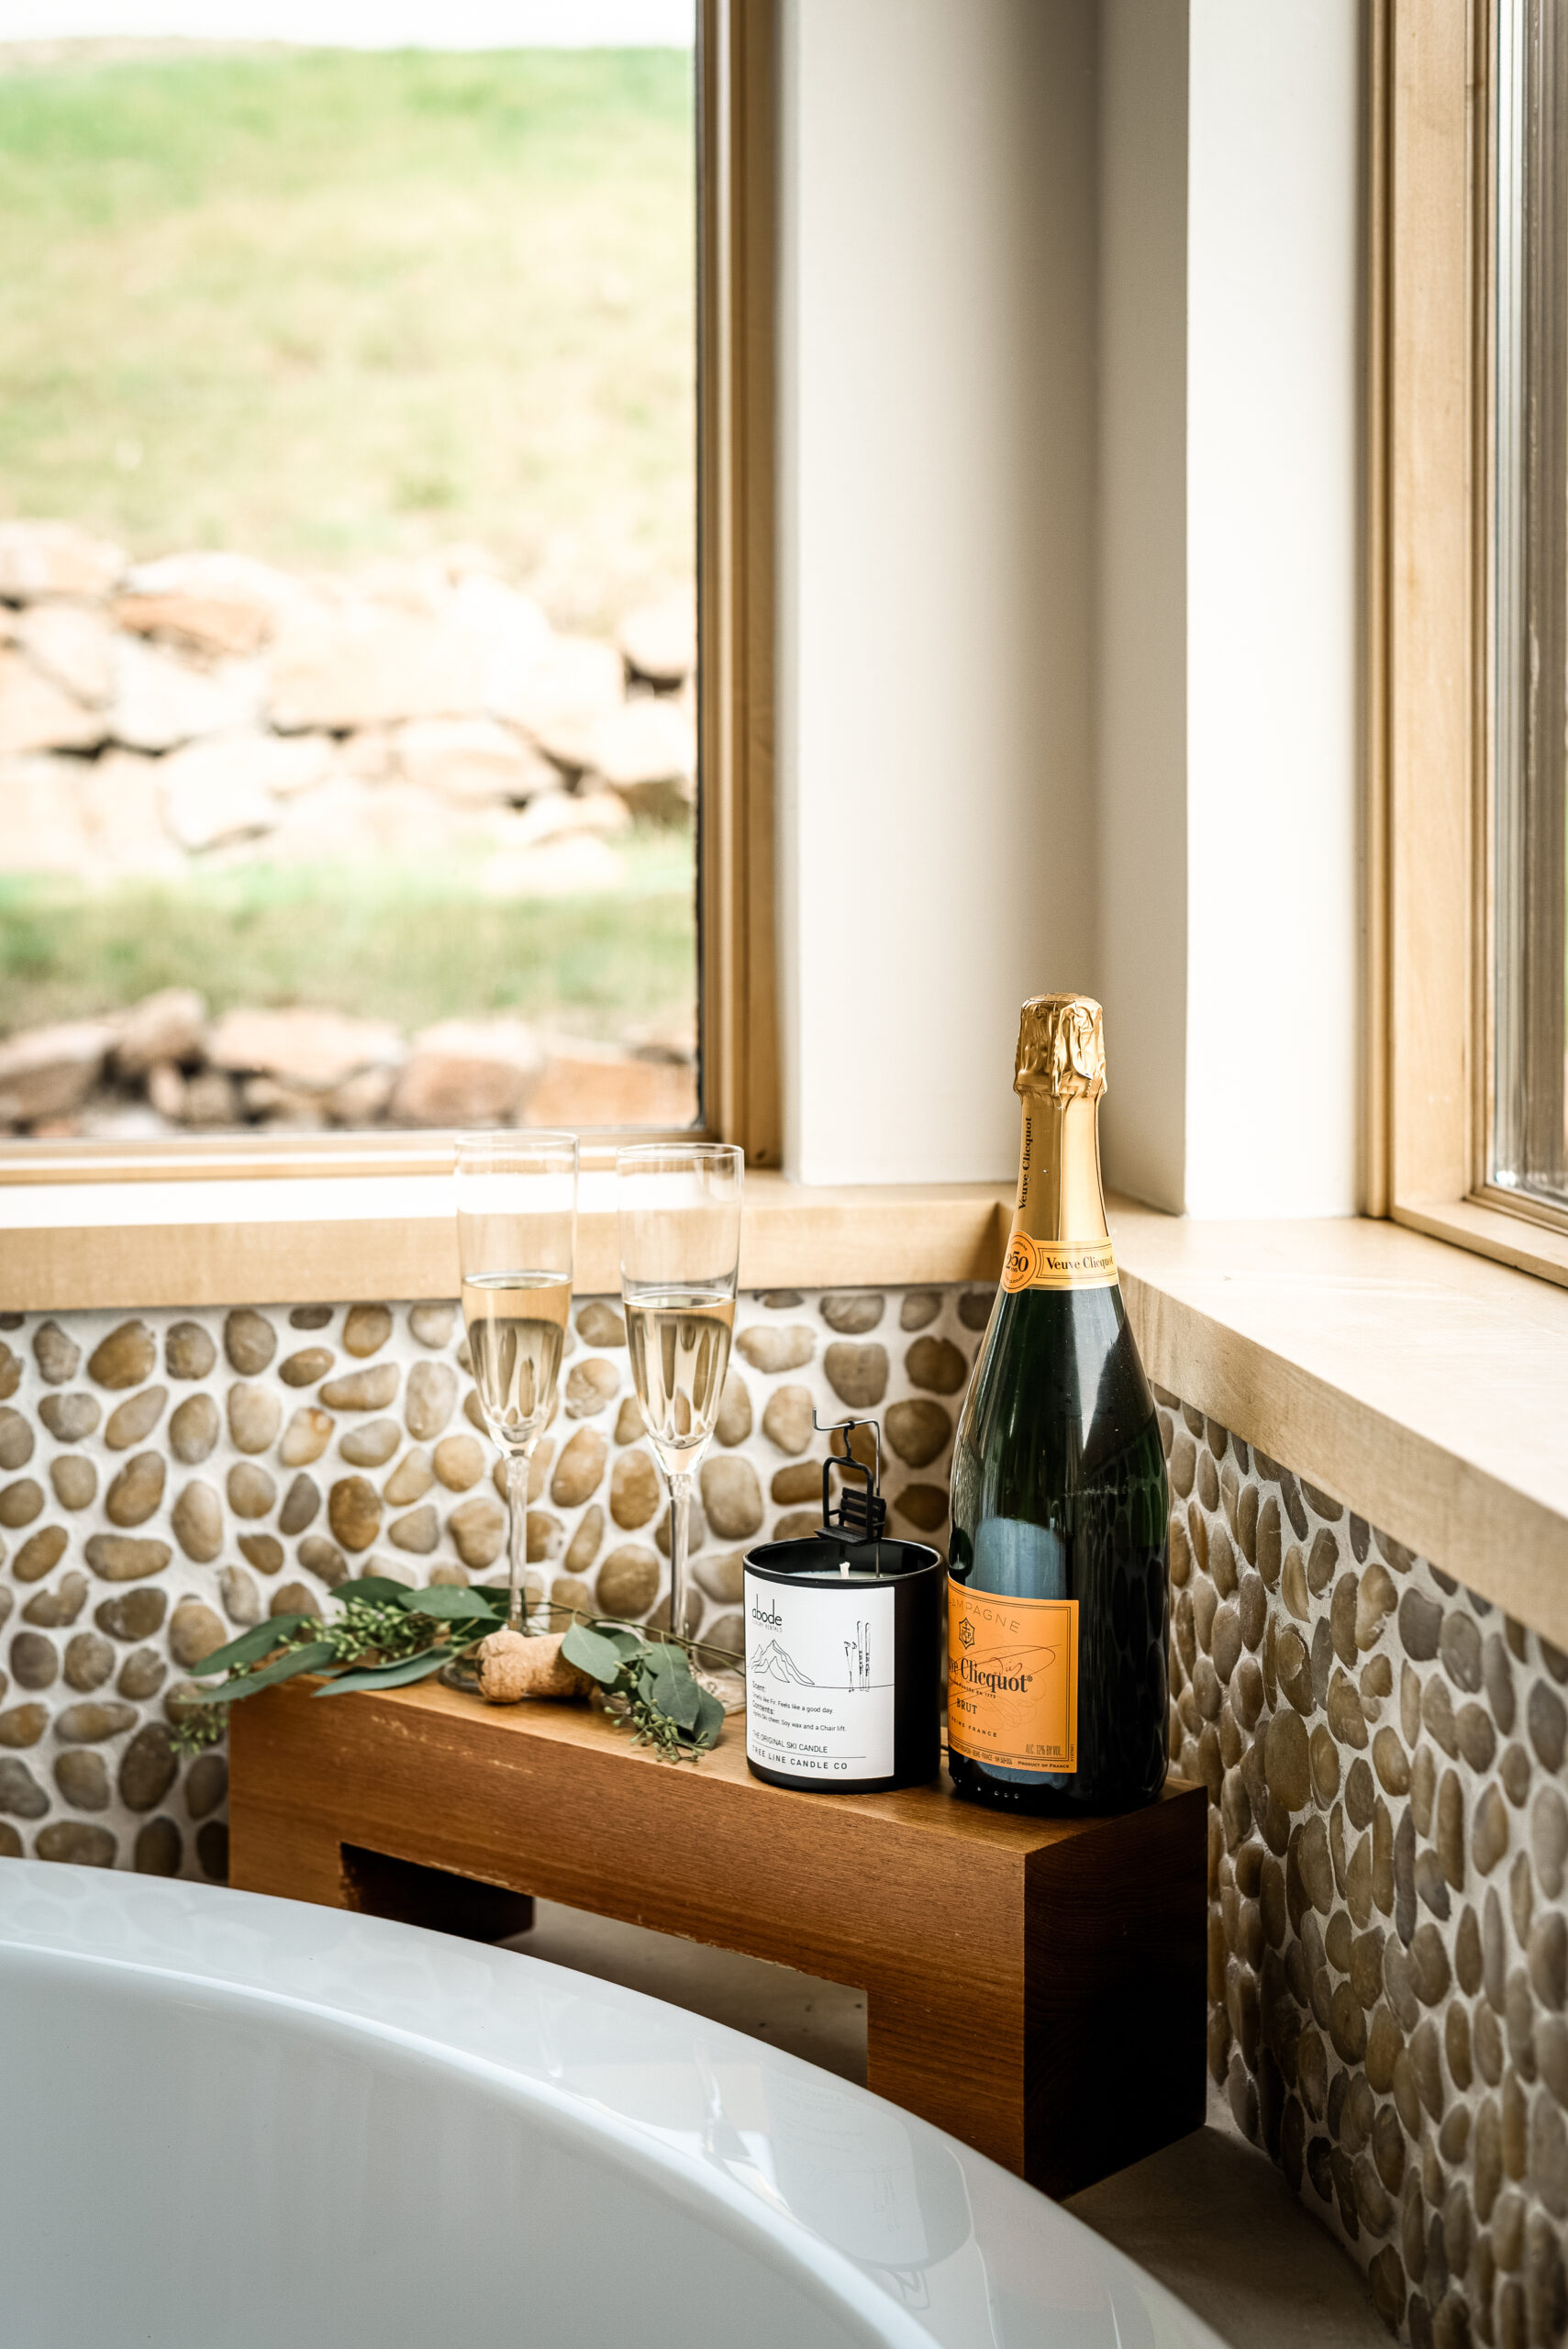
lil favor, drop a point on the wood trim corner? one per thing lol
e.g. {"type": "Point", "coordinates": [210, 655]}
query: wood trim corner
{"type": "Point", "coordinates": [741, 1059]}
{"type": "Point", "coordinates": [1431, 599]}
{"type": "Point", "coordinates": [1376, 140]}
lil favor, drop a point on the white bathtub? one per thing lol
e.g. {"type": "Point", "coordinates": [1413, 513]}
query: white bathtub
{"type": "Point", "coordinates": [229, 2122]}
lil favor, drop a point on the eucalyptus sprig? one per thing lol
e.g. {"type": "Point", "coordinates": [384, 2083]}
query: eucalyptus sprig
{"type": "Point", "coordinates": [388, 1636]}
{"type": "Point", "coordinates": [649, 1686]}
{"type": "Point", "coordinates": [385, 1637]}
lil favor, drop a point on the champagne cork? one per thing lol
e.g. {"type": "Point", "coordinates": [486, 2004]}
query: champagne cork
{"type": "Point", "coordinates": [1061, 1048]}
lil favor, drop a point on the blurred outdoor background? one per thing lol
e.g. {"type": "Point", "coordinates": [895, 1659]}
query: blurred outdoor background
{"type": "Point", "coordinates": [347, 537]}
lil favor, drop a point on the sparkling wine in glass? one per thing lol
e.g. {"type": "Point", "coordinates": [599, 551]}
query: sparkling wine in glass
{"type": "Point", "coordinates": [517, 1221]}
{"type": "Point", "coordinates": [679, 1214]}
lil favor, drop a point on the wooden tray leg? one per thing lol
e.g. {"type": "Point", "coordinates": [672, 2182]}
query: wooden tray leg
{"type": "Point", "coordinates": [954, 2053]}
{"type": "Point", "coordinates": [1117, 2001]}
{"type": "Point", "coordinates": [276, 1852]}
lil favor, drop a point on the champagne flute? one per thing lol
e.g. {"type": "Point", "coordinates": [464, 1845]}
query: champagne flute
{"type": "Point", "coordinates": [517, 1225]}
{"type": "Point", "coordinates": [679, 1211]}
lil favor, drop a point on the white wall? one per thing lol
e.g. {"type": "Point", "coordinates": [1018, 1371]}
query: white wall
{"type": "Point", "coordinates": [936, 503]}
{"type": "Point", "coordinates": [1140, 964]}
{"type": "Point", "coordinates": [1273, 609]}
{"type": "Point", "coordinates": [1069, 583]}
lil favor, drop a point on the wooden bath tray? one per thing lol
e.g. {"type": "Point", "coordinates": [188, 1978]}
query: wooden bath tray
{"type": "Point", "coordinates": [1034, 1986]}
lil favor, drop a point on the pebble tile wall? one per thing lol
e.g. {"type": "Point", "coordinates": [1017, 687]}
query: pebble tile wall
{"type": "Point", "coordinates": [1388, 1834]}
{"type": "Point", "coordinates": [168, 1478]}
{"type": "Point", "coordinates": [1387, 1938]}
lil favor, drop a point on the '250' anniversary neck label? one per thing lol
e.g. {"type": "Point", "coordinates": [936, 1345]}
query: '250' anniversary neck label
{"type": "Point", "coordinates": [1058, 1264]}
{"type": "Point", "coordinates": [1013, 1680]}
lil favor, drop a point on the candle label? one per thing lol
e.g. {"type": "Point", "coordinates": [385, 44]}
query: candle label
{"type": "Point", "coordinates": [1013, 1680]}
{"type": "Point", "coordinates": [819, 1679]}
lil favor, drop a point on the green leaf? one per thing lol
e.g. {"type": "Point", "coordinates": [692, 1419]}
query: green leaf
{"type": "Point", "coordinates": [313, 1658]}
{"type": "Point", "coordinates": [680, 1699]}
{"type": "Point", "coordinates": [671, 1671]}
{"type": "Point", "coordinates": [449, 1604]}
{"type": "Point", "coordinates": [625, 1643]}
{"type": "Point", "coordinates": [389, 1675]}
{"type": "Point", "coordinates": [592, 1653]}
{"type": "Point", "coordinates": [710, 1720]}
{"type": "Point", "coordinates": [260, 1640]}
{"type": "Point", "coordinates": [379, 1586]}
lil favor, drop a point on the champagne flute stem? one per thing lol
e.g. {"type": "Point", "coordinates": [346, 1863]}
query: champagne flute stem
{"type": "Point", "coordinates": [681, 1489]}
{"type": "Point", "coordinates": [518, 1548]}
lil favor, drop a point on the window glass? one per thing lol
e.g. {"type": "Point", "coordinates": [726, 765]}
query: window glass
{"type": "Point", "coordinates": [1530, 664]}
{"type": "Point", "coordinates": [347, 547]}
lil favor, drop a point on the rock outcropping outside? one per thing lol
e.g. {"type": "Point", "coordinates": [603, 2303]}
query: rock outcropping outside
{"type": "Point", "coordinates": [207, 710]}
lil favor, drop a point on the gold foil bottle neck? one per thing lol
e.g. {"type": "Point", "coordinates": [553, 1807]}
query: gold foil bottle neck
{"type": "Point", "coordinates": [1061, 1048]}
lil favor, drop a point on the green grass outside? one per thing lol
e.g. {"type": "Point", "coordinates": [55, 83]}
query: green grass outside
{"type": "Point", "coordinates": [325, 307]}
{"type": "Point", "coordinates": [384, 942]}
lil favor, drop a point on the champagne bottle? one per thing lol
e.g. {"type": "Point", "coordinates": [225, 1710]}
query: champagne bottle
{"type": "Point", "coordinates": [1057, 1576]}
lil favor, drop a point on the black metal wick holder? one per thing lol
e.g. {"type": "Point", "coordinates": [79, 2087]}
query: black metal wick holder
{"type": "Point", "coordinates": [860, 1515]}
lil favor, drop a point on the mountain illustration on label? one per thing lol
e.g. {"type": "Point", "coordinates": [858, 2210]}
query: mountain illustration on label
{"type": "Point", "coordinates": [775, 1663]}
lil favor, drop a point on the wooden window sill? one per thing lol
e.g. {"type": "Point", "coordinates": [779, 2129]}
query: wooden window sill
{"type": "Point", "coordinates": [319, 1239]}
{"type": "Point", "coordinates": [1423, 1385]}
{"type": "Point", "coordinates": [1510, 1231]}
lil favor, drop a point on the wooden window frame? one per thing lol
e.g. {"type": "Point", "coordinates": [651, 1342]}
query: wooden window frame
{"type": "Point", "coordinates": [737, 276]}
{"type": "Point", "coordinates": [1430, 697]}
{"type": "Point", "coordinates": [738, 1065]}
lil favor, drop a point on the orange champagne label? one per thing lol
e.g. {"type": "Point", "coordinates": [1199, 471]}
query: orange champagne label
{"type": "Point", "coordinates": [1013, 1680]}
{"type": "Point", "coordinates": [1057, 1264]}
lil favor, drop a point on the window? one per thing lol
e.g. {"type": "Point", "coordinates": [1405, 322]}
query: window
{"type": "Point", "coordinates": [1467, 598]}
{"type": "Point", "coordinates": [339, 383]}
